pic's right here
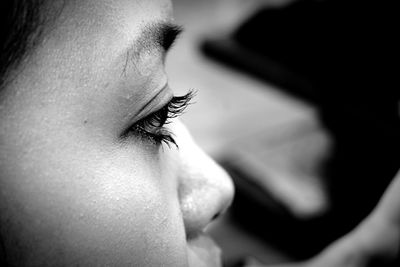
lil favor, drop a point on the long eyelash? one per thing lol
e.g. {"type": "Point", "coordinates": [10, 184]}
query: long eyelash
{"type": "Point", "coordinates": [175, 107]}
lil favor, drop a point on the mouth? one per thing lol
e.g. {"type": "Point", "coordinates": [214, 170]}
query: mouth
{"type": "Point", "coordinates": [203, 252]}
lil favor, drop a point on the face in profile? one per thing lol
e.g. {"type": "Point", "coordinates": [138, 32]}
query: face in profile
{"type": "Point", "coordinates": [95, 168]}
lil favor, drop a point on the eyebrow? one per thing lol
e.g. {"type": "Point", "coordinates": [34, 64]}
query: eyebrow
{"type": "Point", "coordinates": [154, 36]}
{"type": "Point", "coordinates": [167, 34]}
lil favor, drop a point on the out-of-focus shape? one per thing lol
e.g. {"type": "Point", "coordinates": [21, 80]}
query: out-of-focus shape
{"type": "Point", "coordinates": [339, 56]}
{"type": "Point", "coordinates": [287, 165]}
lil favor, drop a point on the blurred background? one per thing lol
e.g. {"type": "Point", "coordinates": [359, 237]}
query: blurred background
{"type": "Point", "coordinates": [298, 101]}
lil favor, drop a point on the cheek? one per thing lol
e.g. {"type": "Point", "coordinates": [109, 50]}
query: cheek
{"type": "Point", "coordinates": [134, 203]}
{"type": "Point", "coordinates": [112, 207]}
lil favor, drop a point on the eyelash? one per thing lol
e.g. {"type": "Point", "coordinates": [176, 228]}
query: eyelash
{"type": "Point", "coordinates": [152, 127]}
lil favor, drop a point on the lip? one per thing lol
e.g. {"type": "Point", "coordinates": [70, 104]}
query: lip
{"type": "Point", "coordinates": [203, 252]}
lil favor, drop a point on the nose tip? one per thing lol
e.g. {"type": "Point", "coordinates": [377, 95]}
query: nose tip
{"type": "Point", "coordinates": [205, 189]}
{"type": "Point", "coordinates": [204, 196]}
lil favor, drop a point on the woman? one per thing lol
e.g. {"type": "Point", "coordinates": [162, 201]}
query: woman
{"type": "Point", "coordinates": [94, 167]}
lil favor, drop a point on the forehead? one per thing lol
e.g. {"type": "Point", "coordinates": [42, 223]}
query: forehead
{"type": "Point", "coordinates": [85, 38]}
{"type": "Point", "coordinates": [121, 21]}
{"type": "Point", "coordinates": [119, 15]}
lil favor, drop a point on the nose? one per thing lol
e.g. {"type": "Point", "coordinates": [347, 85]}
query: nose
{"type": "Point", "coordinates": [205, 189]}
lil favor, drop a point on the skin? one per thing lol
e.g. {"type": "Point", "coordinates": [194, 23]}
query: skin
{"type": "Point", "coordinates": [72, 190]}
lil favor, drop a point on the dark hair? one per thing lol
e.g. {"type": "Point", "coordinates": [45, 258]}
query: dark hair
{"type": "Point", "coordinates": [20, 20]}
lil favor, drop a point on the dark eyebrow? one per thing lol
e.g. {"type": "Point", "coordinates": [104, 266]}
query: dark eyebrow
{"type": "Point", "coordinates": [155, 37]}
{"type": "Point", "coordinates": [166, 35]}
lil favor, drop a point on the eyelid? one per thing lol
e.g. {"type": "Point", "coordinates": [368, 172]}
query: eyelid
{"type": "Point", "coordinates": [152, 126]}
{"type": "Point", "coordinates": [159, 100]}
{"type": "Point", "coordinates": [174, 107]}
{"type": "Point", "coordinates": [155, 103]}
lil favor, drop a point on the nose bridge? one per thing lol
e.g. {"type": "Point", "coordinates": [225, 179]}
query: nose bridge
{"type": "Point", "coordinates": [205, 189]}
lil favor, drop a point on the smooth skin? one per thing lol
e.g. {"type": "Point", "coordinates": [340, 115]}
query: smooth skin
{"type": "Point", "coordinates": [73, 191]}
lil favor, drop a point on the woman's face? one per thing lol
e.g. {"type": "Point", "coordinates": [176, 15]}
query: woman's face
{"type": "Point", "coordinates": [85, 175]}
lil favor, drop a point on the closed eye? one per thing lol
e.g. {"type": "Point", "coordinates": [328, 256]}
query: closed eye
{"type": "Point", "coordinates": [152, 127]}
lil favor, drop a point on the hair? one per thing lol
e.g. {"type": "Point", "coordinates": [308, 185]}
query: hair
{"type": "Point", "coordinates": [20, 20]}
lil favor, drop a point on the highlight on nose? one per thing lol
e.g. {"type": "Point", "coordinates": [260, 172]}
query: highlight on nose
{"type": "Point", "coordinates": [205, 191]}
